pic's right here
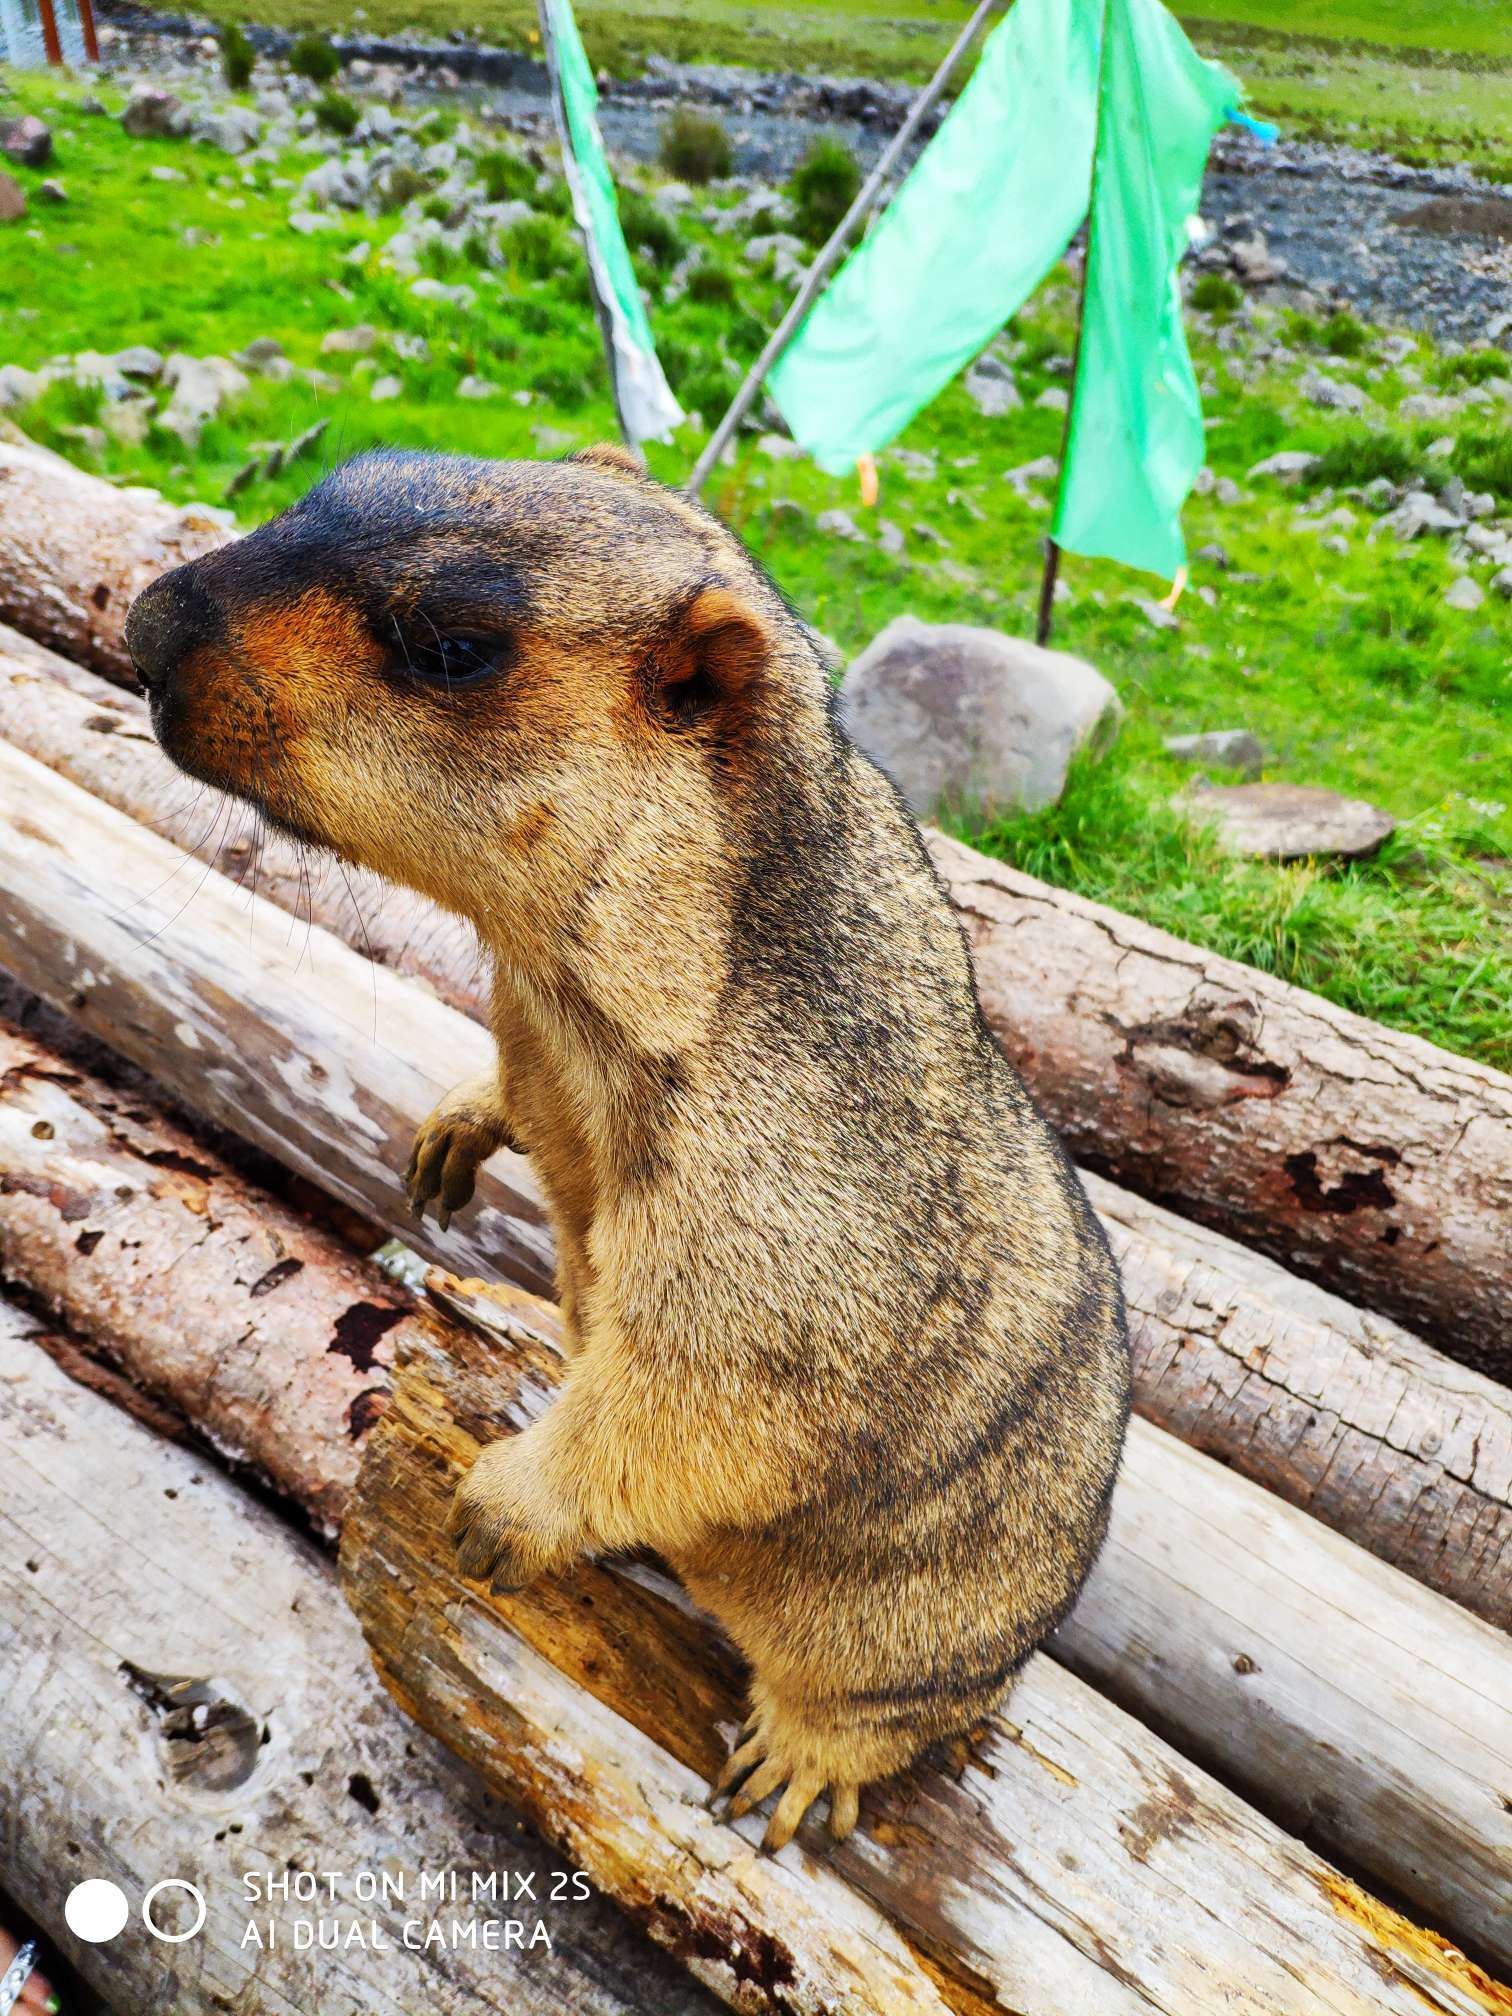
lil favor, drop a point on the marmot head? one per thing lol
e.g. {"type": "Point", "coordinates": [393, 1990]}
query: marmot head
{"type": "Point", "coordinates": [443, 668]}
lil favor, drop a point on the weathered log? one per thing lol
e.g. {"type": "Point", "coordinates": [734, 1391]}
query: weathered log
{"type": "Point", "coordinates": [1364, 1158]}
{"type": "Point", "coordinates": [183, 1694]}
{"type": "Point", "coordinates": [1345, 1414]}
{"type": "Point", "coordinates": [1076, 1863]}
{"type": "Point", "coordinates": [1334, 1690]}
{"type": "Point", "coordinates": [208, 1293]}
{"type": "Point", "coordinates": [74, 552]}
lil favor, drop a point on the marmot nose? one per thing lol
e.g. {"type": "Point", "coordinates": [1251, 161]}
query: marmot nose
{"type": "Point", "coordinates": [165, 623]}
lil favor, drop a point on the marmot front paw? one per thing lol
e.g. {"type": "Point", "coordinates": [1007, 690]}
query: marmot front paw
{"type": "Point", "coordinates": [451, 1145]}
{"type": "Point", "coordinates": [490, 1528]}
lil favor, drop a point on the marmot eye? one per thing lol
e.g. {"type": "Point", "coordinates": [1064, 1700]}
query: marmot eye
{"type": "Point", "coordinates": [441, 658]}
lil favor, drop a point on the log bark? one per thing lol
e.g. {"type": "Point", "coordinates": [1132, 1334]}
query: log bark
{"type": "Point", "coordinates": [209, 1294]}
{"type": "Point", "coordinates": [74, 552]}
{"type": "Point", "coordinates": [1340, 1696]}
{"type": "Point", "coordinates": [1076, 1863]}
{"type": "Point", "coordinates": [184, 1694]}
{"type": "Point", "coordinates": [1364, 1158]}
{"type": "Point", "coordinates": [1347, 1415]}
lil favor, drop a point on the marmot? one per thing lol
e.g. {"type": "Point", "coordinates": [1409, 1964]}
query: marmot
{"type": "Point", "coordinates": [847, 1345]}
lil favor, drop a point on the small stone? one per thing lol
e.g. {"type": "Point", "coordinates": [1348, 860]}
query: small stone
{"type": "Point", "coordinates": [1420, 512]}
{"type": "Point", "coordinates": [890, 538]}
{"type": "Point", "coordinates": [360, 341]}
{"type": "Point", "coordinates": [235, 129]}
{"type": "Point", "coordinates": [12, 199]}
{"type": "Point", "coordinates": [841, 525]}
{"type": "Point", "coordinates": [1154, 613]}
{"type": "Point", "coordinates": [778, 448]}
{"type": "Point", "coordinates": [1043, 469]}
{"type": "Point", "coordinates": [1227, 491]}
{"type": "Point", "coordinates": [27, 140]}
{"type": "Point", "coordinates": [1332, 394]}
{"type": "Point", "coordinates": [1289, 822]}
{"type": "Point", "coordinates": [386, 388]}
{"type": "Point", "coordinates": [1501, 583]}
{"type": "Point", "coordinates": [458, 296]}
{"type": "Point", "coordinates": [477, 388]}
{"type": "Point", "coordinates": [161, 174]}
{"type": "Point", "coordinates": [991, 388]}
{"type": "Point", "coordinates": [1466, 593]}
{"type": "Point", "coordinates": [261, 353]}
{"type": "Point", "coordinates": [150, 111]}
{"type": "Point", "coordinates": [1213, 555]}
{"type": "Point", "coordinates": [973, 718]}
{"type": "Point", "coordinates": [1225, 748]}
{"type": "Point", "coordinates": [18, 386]}
{"type": "Point", "coordinates": [139, 360]}
{"type": "Point", "coordinates": [1289, 467]}
{"type": "Point", "coordinates": [1054, 399]}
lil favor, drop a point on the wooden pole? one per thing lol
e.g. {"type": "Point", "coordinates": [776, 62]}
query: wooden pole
{"type": "Point", "coordinates": [87, 23]}
{"type": "Point", "coordinates": [1046, 619]}
{"type": "Point", "coordinates": [829, 254]}
{"type": "Point", "coordinates": [50, 40]}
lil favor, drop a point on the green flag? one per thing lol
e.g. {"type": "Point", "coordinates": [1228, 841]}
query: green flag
{"type": "Point", "coordinates": [642, 396]}
{"type": "Point", "coordinates": [988, 208]}
{"type": "Point", "coordinates": [1135, 441]}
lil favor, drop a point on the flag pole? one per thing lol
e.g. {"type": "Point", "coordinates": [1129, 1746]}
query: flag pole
{"type": "Point", "coordinates": [829, 253]}
{"type": "Point", "coordinates": [50, 42]}
{"type": "Point", "coordinates": [1046, 618]}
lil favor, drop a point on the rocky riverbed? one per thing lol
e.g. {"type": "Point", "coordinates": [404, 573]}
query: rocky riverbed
{"type": "Point", "coordinates": [1430, 248]}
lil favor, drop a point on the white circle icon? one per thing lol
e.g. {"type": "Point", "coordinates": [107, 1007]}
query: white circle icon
{"type": "Point", "coordinates": [173, 1883]}
{"type": "Point", "coordinates": [96, 1911]}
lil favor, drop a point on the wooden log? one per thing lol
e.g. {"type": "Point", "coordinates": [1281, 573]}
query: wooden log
{"type": "Point", "coordinates": [99, 736]}
{"type": "Point", "coordinates": [208, 1293]}
{"type": "Point", "coordinates": [1364, 1158]}
{"type": "Point", "coordinates": [1334, 1690]}
{"type": "Point", "coordinates": [1345, 1414]}
{"type": "Point", "coordinates": [183, 1694]}
{"type": "Point", "coordinates": [1076, 1864]}
{"type": "Point", "coordinates": [74, 552]}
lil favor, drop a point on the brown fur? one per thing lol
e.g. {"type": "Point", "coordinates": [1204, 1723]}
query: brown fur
{"type": "Point", "coordinates": [847, 1344]}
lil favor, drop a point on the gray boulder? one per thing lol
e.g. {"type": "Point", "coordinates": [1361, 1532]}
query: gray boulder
{"type": "Point", "coordinates": [235, 129]}
{"type": "Point", "coordinates": [200, 387]}
{"type": "Point", "coordinates": [1290, 466]}
{"type": "Point", "coordinates": [991, 388]}
{"type": "Point", "coordinates": [960, 717]}
{"type": "Point", "coordinates": [26, 140]}
{"type": "Point", "coordinates": [1289, 822]}
{"type": "Point", "coordinates": [150, 111]}
{"type": "Point", "coordinates": [18, 385]}
{"type": "Point", "coordinates": [1466, 593]}
{"type": "Point", "coordinates": [1226, 748]}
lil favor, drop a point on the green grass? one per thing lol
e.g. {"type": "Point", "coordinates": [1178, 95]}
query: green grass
{"type": "Point", "coordinates": [1349, 667]}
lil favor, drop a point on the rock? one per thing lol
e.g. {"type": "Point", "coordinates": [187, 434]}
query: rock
{"type": "Point", "coordinates": [127, 421]}
{"type": "Point", "coordinates": [51, 191]}
{"type": "Point", "coordinates": [1502, 584]}
{"type": "Point", "coordinates": [235, 129]}
{"type": "Point", "coordinates": [672, 198]}
{"type": "Point", "coordinates": [1334, 395]}
{"type": "Point", "coordinates": [263, 356]}
{"type": "Point", "coordinates": [990, 387]}
{"type": "Point", "coordinates": [1253, 262]}
{"type": "Point", "coordinates": [1466, 593]}
{"type": "Point", "coordinates": [1289, 822]}
{"type": "Point", "coordinates": [12, 199]}
{"type": "Point", "coordinates": [1227, 491]}
{"type": "Point", "coordinates": [841, 525]}
{"type": "Point", "coordinates": [386, 388]}
{"type": "Point", "coordinates": [778, 448]}
{"type": "Point", "coordinates": [160, 174]}
{"type": "Point", "coordinates": [26, 140]}
{"type": "Point", "coordinates": [200, 387]}
{"type": "Point", "coordinates": [343, 183]}
{"type": "Point", "coordinates": [458, 296]}
{"type": "Point", "coordinates": [1226, 748]}
{"type": "Point", "coordinates": [356, 342]}
{"type": "Point", "coordinates": [890, 538]}
{"type": "Point", "coordinates": [1154, 613]}
{"type": "Point", "coordinates": [1054, 399]}
{"type": "Point", "coordinates": [139, 360]}
{"type": "Point", "coordinates": [965, 717]}
{"type": "Point", "coordinates": [1290, 466]}
{"type": "Point", "coordinates": [789, 255]}
{"type": "Point", "coordinates": [18, 386]}
{"type": "Point", "coordinates": [1435, 406]}
{"type": "Point", "coordinates": [1213, 555]}
{"type": "Point", "coordinates": [1043, 469]}
{"type": "Point", "coordinates": [1420, 512]}
{"type": "Point", "coordinates": [477, 388]}
{"type": "Point", "coordinates": [151, 112]}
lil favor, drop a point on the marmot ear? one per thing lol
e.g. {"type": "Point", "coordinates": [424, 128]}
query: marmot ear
{"type": "Point", "coordinates": [713, 652]}
{"type": "Point", "coordinates": [614, 456]}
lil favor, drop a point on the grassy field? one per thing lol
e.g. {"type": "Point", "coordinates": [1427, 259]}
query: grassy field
{"type": "Point", "coordinates": [1430, 79]}
{"type": "Point", "coordinates": [1349, 665]}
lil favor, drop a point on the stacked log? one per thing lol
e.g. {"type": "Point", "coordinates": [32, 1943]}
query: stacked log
{"type": "Point", "coordinates": [329, 1063]}
{"type": "Point", "coordinates": [1337, 1693]}
{"type": "Point", "coordinates": [1366, 1159]}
